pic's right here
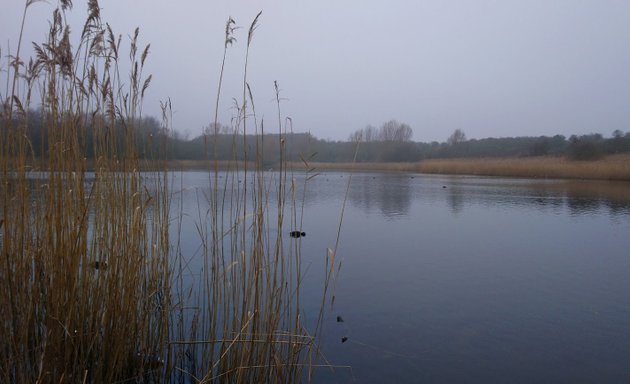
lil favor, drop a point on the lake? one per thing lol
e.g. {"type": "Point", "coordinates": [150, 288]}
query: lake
{"type": "Point", "coordinates": [464, 279]}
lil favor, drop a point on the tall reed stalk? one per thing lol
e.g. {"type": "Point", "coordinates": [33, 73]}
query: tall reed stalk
{"type": "Point", "coordinates": [96, 289]}
{"type": "Point", "coordinates": [245, 324]}
{"type": "Point", "coordinates": [84, 252]}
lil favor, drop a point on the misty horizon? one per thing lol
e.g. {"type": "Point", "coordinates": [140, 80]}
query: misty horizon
{"type": "Point", "coordinates": [491, 69]}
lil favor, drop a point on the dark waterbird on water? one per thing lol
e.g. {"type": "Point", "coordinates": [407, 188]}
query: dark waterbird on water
{"type": "Point", "coordinates": [297, 234]}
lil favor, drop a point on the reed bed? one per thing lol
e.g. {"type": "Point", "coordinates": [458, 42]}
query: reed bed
{"type": "Point", "coordinates": [96, 289]}
{"type": "Point", "coordinates": [613, 167]}
{"type": "Point", "coordinates": [244, 322]}
{"type": "Point", "coordinates": [85, 264]}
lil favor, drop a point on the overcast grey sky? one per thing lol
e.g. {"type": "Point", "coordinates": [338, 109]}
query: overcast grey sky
{"type": "Point", "coordinates": [489, 67]}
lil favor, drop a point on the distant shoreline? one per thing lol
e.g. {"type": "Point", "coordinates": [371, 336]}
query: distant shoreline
{"type": "Point", "coordinates": [613, 167]}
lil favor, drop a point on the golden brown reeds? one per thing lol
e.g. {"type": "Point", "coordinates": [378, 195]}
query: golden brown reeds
{"type": "Point", "coordinates": [94, 291]}
{"type": "Point", "coordinates": [246, 319]}
{"type": "Point", "coordinates": [84, 254]}
{"type": "Point", "coordinates": [613, 167]}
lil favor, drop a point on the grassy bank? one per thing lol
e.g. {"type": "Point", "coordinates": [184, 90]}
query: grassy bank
{"type": "Point", "coordinates": [615, 167]}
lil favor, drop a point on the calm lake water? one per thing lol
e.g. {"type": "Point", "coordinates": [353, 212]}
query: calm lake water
{"type": "Point", "coordinates": [465, 279]}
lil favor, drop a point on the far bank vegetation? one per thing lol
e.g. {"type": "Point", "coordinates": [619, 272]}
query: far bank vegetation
{"type": "Point", "coordinates": [388, 147]}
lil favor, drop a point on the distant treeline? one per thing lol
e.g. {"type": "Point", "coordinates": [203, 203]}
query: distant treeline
{"type": "Point", "coordinates": [584, 147]}
{"type": "Point", "coordinates": [391, 143]}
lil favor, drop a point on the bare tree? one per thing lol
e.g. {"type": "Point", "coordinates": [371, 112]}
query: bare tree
{"type": "Point", "coordinates": [386, 133]}
{"type": "Point", "coordinates": [356, 136]}
{"type": "Point", "coordinates": [395, 131]}
{"type": "Point", "coordinates": [403, 133]}
{"type": "Point", "coordinates": [217, 129]}
{"type": "Point", "coordinates": [370, 133]}
{"type": "Point", "coordinates": [389, 131]}
{"type": "Point", "coordinates": [457, 137]}
{"type": "Point", "coordinates": [212, 129]}
{"type": "Point", "coordinates": [367, 134]}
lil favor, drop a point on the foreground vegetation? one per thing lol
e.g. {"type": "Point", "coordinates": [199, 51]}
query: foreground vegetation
{"type": "Point", "coordinates": [85, 258]}
{"type": "Point", "coordinates": [95, 280]}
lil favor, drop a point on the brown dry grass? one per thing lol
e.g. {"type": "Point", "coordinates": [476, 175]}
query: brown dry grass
{"type": "Point", "coordinates": [614, 167]}
{"type": "Point", "coordinates": [85, 264]}
{"type": "Point", "coordinates": [94, 289]}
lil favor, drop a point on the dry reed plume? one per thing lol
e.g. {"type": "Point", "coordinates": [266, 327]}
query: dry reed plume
{"type": "Point", "coordinates": [244, 323]}
{"type": "Point", "coordinates": [84, 254]}
{"type": "Point", "coordinates": [95, 288]}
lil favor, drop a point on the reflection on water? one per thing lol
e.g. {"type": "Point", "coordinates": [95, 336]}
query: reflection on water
{"type": "Point", "coordinates": [455, 197]}
{"type": "Point", "coordinates": [465, 279]}
{"type": "Point", "coordinates": [477, 280]}
{"type": "Point", "coordinates": [391, 194]}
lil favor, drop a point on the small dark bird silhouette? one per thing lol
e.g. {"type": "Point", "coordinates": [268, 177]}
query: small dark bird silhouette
{"type": "Point", "coordinates": [297, 234]}
{"type": "Point", "coordinates": [339, 319]}
{"type": "Point", "coordinates": [344, 339]}
{"type": "Point", "coordinates": [444, 186]}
